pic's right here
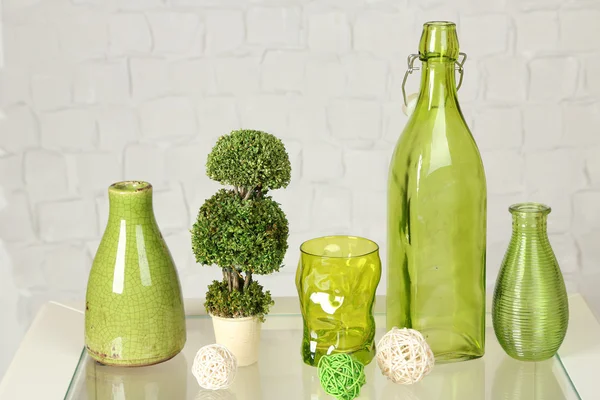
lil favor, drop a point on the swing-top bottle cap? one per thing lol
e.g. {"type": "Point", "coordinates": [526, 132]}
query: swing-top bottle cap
{"type": "Point", "coordinates": [439, 40]}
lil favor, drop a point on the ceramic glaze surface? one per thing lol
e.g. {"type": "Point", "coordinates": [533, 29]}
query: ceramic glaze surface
{"type": "Point", "coordinates": [336, 280]}
{"type": "Point", "coordinates": [134, 309]}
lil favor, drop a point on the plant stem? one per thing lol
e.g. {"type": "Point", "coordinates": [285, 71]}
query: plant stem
{"type": "Point", "coordinates": [227, 274]}
{"type": "Point", "coordinates": [247, 280]}
{"type": "Point", "coordinates": [236, 282]}
{"type": "Point", "coordinates": [248, 194]}
{"type": "Point", "coordinates": [235, 279]}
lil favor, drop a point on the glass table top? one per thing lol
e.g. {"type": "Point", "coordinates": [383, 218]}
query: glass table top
{"type": "Point", "coordinates": [281, 374]}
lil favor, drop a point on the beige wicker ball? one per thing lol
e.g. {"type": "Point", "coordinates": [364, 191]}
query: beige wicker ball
{"type": "Point", "coordinates": [404, 356]}
{"type": "Point", "coordinates": [214, 367]}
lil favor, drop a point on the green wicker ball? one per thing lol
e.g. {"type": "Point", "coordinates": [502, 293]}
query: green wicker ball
{"type": "Point", "coordinates": [341, 376]}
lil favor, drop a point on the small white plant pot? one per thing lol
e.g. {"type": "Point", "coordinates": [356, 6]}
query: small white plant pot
{"type": "Point", "coordinates": [240, 335]}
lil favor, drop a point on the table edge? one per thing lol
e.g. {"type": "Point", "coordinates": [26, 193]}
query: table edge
{"type": "Point", "coordinates": [579, 354]}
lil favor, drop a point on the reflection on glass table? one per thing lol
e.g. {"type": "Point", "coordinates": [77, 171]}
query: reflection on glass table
{"type": "Point", "coordinates": [281, 374]}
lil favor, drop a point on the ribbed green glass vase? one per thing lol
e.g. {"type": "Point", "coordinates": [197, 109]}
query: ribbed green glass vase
{"type": "Point", "coordinates": [530, 309]}
{"type": "Point", "coordinates": [336, 280]}
{"type": "Point", "coordinates": [437, 213]}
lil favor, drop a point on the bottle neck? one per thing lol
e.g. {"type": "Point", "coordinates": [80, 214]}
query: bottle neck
{"type": "Point", "coordinates": [438, 51]}
{"type": "Point", "coordinates": [438, 84]}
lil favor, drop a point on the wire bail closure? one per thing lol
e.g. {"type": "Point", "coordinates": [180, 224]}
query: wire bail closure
{"type": "Point", "coordinates": [462, 57]}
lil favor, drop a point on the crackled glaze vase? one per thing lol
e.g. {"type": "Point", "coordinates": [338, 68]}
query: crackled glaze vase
{"type": "Point", "coordinates": [336, 280]}
{"type": "Point", "coordinates": [134, 312]}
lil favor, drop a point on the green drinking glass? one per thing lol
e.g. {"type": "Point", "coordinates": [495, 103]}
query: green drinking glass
{"type": "Point", "coordinates": [336, 280]}
{"type": "Point", "coordinates": [530, 310]}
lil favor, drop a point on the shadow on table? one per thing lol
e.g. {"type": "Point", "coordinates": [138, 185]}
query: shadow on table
{"type": "Point", "coordinates": [167, 381]}
{"type": "Point", "coordinates": [246, 386]}
{"type": "Point", "coordinates": [456, 381]}
{"type": "Point", "coordinates": [521, 380]}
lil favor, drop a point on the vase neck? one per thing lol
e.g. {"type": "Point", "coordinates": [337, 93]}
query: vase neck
{"type": "Point", "coordinates": [129, 200]}
{"type": "Point", "coordinates": [530, 218]}
{"type": "Point", "coordinates": [537, 225]}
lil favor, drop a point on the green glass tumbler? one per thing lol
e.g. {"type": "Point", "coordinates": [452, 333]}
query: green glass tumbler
{"type": "Point", "coordinates": [530, 310]}
{"type": "Point", "coordinates": [336, 280]}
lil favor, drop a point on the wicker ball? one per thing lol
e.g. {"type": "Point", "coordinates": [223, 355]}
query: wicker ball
{"type": "Point", "coordinates": [341, 376]}
{"type": "Point", "coordinates": [214, 367]}
{"type": "Point", "coordinates": [404, 356]}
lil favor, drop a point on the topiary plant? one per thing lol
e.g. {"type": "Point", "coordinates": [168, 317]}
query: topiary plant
{"type": "Point", "coordinates": [249, 161]}
{"type": "Point", "coordinates": [243, 230]}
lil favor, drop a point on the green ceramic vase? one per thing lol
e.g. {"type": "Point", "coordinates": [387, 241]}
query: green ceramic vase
{"type": "Point", "coordinates": [134, 309]}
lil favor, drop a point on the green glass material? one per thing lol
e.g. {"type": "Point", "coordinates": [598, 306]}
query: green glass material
{"type": "Point", "coordinates": [336, 280]}
{"type": "Point", "coordinates": [134, 309]}
{"type": "Point", "coordinates": [437, 213]}
{"type": "Point", "coordinates": [530, 309]}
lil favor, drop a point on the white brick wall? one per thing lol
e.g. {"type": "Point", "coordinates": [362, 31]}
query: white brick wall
{"type": "Point", "coordinates": [329, 32]}
{"type": "Point", "coordinates": [175, 32]}
{"type": "Point", "coordinates": [274, 25]}
{"type": "Point", "coordinates": [98, 91]}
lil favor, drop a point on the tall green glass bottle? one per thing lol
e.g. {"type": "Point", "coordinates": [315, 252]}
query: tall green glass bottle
{"type": "Point", "coordinates": [437, 212]}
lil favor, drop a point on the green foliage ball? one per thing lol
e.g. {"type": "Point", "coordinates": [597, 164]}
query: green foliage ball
{"type": "Point", "coordinates": [249, 159]}
{"type": "Point", "coordinates": [252, 302]}
{"type": "Point", "coordinates": [250, 235]}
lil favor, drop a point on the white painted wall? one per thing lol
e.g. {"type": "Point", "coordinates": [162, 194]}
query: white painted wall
{"type": "Point", "coordinates": [97, 91]}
